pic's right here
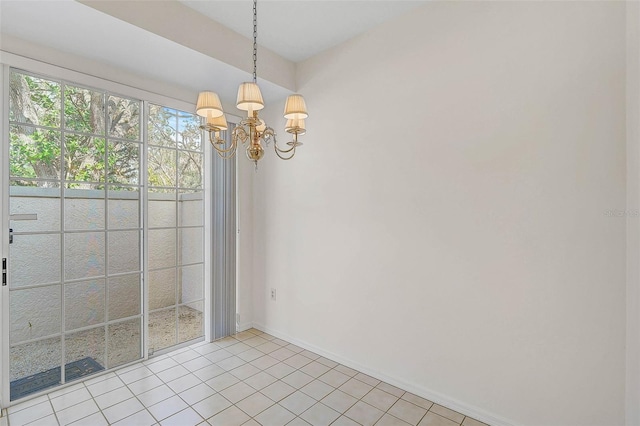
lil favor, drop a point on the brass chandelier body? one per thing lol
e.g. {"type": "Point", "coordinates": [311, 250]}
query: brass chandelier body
{"type": "Point", "coordinates": [251, 129]}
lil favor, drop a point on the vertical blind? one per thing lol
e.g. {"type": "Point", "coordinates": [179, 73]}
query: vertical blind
{"type": "Point", "coordinates": [223, 265]}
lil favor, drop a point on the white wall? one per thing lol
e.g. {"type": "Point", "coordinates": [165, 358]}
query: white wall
{"type": "Point", "coordinates": [244, 288]}
{"type": "Point", "coordinates": [633, 218]}
{"type": "Point", "coordinates": [446, 223]}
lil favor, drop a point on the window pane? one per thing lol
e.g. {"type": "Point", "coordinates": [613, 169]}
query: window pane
{"type": "Point", "coordinates": [35, 313]}
{"type": "Point", "coordinates": [191, 207]}
{"type": "Point", "coordinates": [162, 248]}
{"type": "Point", "coordinates": [162, 167]}
{"type": "Point", "coordinates": [124, 163]}
{"type": "Point", "coordinates": [191, 284]}
{"type": "Point", "coordinates": [84, 255]}
{"type": "Point", "coordinates": [162, 214]}
{"type": "Point", "coordinates": [43, 355]}
{"type": "Point", "coordinates": [84, 303]}
{"type": "Point", "coordinates": [25, 200]}
{"type": "Point", "coordinates": [190, 169]}
{"type": "Point", "coordinates": [162, 288]}
{"type": "Point", "coordinates": [34, 100]}
{"type": "Point", "coordinates": [124, 118]}
{"type": "Point", "coordinates": [124, 342]}
{"type": "Point", "coordinates": [191, 245]}
{"type": "Point", "coordinates": [124, 296]}
{"type": "Point", "coordinates": [124, 251]}
{"type": "Point", "coordinates": [34, 153]}
{"type": "Point", "coordinates": [162, 126]}
{"type": "Point", "coordinates": [162, 329]}
{"type": "Point", "coordinates": [189, 133]}
{"type": "Point", "coordinates": [124, 209]}
{"type": "Point", "coordinates": [35, 259]}
{"type": "Point", "coordinates": [83, 110]}
{"type": "Point", "coordinates": [189, 322]}
{"type": "Point", "coordinates": [84, 353]}
{"type": "Point", "coordinates": [84, 158]}
{"type": "Point", "coordinates": [83, 213]}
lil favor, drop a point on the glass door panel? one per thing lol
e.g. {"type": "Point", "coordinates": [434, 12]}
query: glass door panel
{"type": "Point", "coordinates": [35, 258]}
{"type": "Point", "coordinates": [75, 293]}
{"type": "Point", "coordinates": [175, 176]}
{"type": "Point", "coordinates": [125, 342]}
{"type": "Point", "coordinates": [84, 353]}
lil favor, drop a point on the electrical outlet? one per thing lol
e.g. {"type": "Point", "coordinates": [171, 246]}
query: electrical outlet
{"type": "Point", "coordinates": [273, 294]}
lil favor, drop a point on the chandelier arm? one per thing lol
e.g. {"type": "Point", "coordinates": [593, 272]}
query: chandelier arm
{"type": "Point", "coordinates": [213, 141]}
{"type": "Point", "coordinates": [268, 134]}
{"type": "Point", "coordinates": [240, 133]}
{"type": "Point", "coordinates": [232, 147]}
{"type": "Point", "coordinates": [292, 150]}
{"type": "Point", "coordinates": [284, 151]}
{"type": "Point", "coordinates": [294, 144]}
{"type": "Point", "coordinates": [228, 156]}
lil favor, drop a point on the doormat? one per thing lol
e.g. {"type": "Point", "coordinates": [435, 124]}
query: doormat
{"type": "Point", "coordinates": [46, 379]}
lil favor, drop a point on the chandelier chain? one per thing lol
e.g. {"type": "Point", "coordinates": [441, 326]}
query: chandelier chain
{"type": "Point", "coordinates": [255, 41]}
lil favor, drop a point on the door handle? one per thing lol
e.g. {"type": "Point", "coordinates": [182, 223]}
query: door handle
{"type": "Point", "coordinates": [21, 216]}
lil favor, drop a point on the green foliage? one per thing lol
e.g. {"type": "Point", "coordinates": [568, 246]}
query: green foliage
{"type": "Point", "coordinates": [46, 96]}
{"type": "Point", "coordinates": [124, 118]}
{"type": "Point", "coordinates": [34, 152]}
{"type": "Point", "coordinates": [83, 110]}
{"type": "Point", "coordinates": [100, 134]}
{"type": "Point", "coordinates": [123, 163]}
{"type": "Point", "coordinates": [84, 158]}
{"type": "Point", "coordinates": [169, 129]}
{"type": "Point", "coordinates": [34, 100]}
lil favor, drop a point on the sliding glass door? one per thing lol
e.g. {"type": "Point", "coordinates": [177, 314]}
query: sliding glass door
{"type": "Point", "coordinates": [106, 207]}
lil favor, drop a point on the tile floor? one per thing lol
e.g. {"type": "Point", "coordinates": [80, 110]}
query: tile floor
{"type": "Point", "coordinates": [249, 379]}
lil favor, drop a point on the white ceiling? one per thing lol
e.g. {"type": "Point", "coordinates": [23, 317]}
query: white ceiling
{"type": "Point", "coordinates": [86, 32]}
{"type": "Point", "coordinates": [299, 29]}
{"type": "Point", "coordinates": [294, 29]}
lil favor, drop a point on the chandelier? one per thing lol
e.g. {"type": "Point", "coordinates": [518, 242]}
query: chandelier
{"type": "Point", "coordinates": [251, 128]}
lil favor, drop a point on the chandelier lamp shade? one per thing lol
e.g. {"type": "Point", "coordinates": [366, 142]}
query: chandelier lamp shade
{"type": "Point", "coordinates": [295, 108]}
{"type": "Point", "coordinates": [249, 97]}
{"type": "Point", "coordinates": [251, 129]}
{"type": "Point", "coordinates": [209, 105]}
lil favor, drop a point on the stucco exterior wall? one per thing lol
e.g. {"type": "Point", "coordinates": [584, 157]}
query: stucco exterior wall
{"type": "Point", "coordinates": [89, 251]}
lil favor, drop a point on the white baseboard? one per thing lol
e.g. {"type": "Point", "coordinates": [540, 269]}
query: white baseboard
{"type": "Point", "coordinates": [431, 395]}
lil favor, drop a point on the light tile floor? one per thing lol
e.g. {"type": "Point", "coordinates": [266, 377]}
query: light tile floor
{"type": "Point", "coordinates": [251, 379]}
